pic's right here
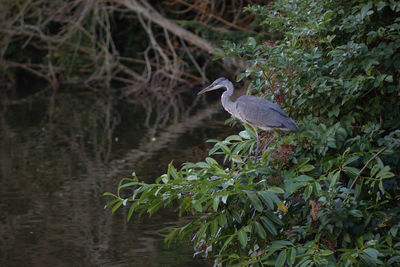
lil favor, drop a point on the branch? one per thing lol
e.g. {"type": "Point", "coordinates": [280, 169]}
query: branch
{"type": "Point", "coordinates": [363, 168]}
{"type": "Point", "coordinates": [151, 14]}
{"type": "Point", "coordinates": [366, 164]}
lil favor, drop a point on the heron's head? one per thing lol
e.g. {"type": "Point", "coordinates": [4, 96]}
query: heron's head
{"type": "Point", "coordinates": [218, 83]}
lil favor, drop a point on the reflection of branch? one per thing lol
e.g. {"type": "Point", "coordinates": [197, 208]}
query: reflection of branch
{"type": "Point", "coordinates": [148, 148]}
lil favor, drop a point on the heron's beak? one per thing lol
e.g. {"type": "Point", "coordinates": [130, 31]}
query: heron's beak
{"type": "Point", "coordinates": [208, 88]}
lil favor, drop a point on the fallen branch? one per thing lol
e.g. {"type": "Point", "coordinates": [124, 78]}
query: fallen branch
{"type": "Point", "coordinates": [151, 14]}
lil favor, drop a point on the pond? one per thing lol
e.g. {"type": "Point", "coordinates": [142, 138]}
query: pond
{"type": "Point", "coordinates": [59, 152]}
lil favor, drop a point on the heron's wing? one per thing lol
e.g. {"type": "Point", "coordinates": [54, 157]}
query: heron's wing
{"type": "Point", "coordinates": [262, 113]}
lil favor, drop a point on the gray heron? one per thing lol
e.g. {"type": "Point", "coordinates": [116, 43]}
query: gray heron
{"type": "Point", "coordinates": [257, 112]}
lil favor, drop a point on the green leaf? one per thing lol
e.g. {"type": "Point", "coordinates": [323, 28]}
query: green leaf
{"type": "Point", "coordinates": [250, 131]}
{"type": "Point", "coordinates": [128, 185]}
{"type": "Point", "coordinates": [244, 135]}
{"type": "Point", "coordinates": [305, 263]}
{"type": "Point", "coordinates": [216, 201]}
{"type": "Point", "coordinates": [242, 236]}
{"type": "Point", "coordinates": [291, 256]}
{"type": "Point", "coordinates": [385, 173]}
{"type": "Point", "coordinates": [371, 252]}
{"type": "Point", "coordinates": [329, 38]}
{"type": "Point", "coordinates": [251, 42]}
{"type": "Point", "coordinates": [292, 186]}
{"type": "Point", "coordinates": [277, 245]}
{"type": "Point", "coordinates": [356, 213]}
{"type": "Point", "coordinates": [307, 192]}
{"type": "Point", "coordinates": [156, 205]}
{"type": "Point", "coordinates": [212, 162]}
{"type": "Point", "coordinates": [334, 180]}
{"type": "Point", "coordinates": [267, 199]}
{"type": "Point", "coordinates": [389, 240]}
{"type": "Point", "coordinates": [365, 11]}
{"type": "Point", "coordinates": [112, 202]}
{"type": "Point", "coordinates": [255, 200]}
{"type": "Point", "coordinates": [236, 215]}
{"type": "Point", "coordinates": [224, 198]}
{"type": "Point", "coordinates": [130, 213]}
{"type": "Point", "coordinates": [247, 228]}
{"type": "Point", "coordinates": [240, 76]}
{"type": "Point", "coordinates": [351, 160]}
{"type": "Point", "coordinates": [200, 233]}
{"type": "Point", "coordinates": [302, 162]}
{"type": "Point", "coordinates": [325, 252]}
{"type": "Point", "coordinates": [171, 236]}
{"type": "Point", "coordinates": [374, 170]}
{"type": "Point", "coordinates": [202, 165]}
{"type": "Point", "coordinates": [234, 138]}
{"type": "Point", "coordinates": [303, 178]}
{"type": "Point", "coordinates": [380, 185]}
{"type": "Point", "coordinates": [226, 243]}
{"type": "Point", "coordinates": [116, 207]}
{"type": "Point", "coordinates": [351, 171]}
{"type": "Point", "coordinates": [214, 227]}
{"type": "Point", "coordinates": [389, 78]}
{"type": "Point", "coordinates": [222, 220]}
{"type": "Point", "coordinates": [265, 155]}
{"type": "Point", "coordinates": [172, 171]}
{"type": "Point", "coordinates": [276, 190]}
{"type": "Point", "coordinates": [306, 168]}
{"type": "Point", "coordinates": [268, 225]}
{"type": "Point", "coordinates": [110, 194]}
{"type": "Point", "coordinates": [260, 230]}
{"type": "Point", "coordinates": [274, 218]}
{"type": "Point", "coordinates": [334, 111]}
{"type": "Point", "coordinates": [197, 206]}
{"type": "Point", "coordinates": [393, 260]}
{"type": "Point", "coordinates": [237, 159]}
{"type": "Point", "coordinates": [165, 179]}
{"type": "Point", "coordinates": [280, 261]}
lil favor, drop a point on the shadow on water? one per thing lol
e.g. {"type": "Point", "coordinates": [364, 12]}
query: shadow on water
{"type": "Point", "coordinates": [61, 152]}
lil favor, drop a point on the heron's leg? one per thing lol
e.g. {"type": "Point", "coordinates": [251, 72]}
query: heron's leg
{"type": "Point", "coordinates": [258, 142]}
{"type": "Point", "coordinates": [271, 140]}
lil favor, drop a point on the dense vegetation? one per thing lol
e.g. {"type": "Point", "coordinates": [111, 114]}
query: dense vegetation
{"type": "Point", "coordinates": [327, 195]}
{"type": "Point", "coordinates": [124, 46]}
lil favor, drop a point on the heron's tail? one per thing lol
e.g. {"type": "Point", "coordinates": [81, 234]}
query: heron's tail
{"type": "Point", "coordinates": [291, 125]}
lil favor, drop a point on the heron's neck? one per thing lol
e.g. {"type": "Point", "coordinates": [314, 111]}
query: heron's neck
{"type": "Point", "coordinates": [226, 100]}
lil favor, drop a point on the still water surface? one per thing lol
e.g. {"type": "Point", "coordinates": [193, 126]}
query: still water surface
{"type": "Point", "coordinates": [59, 153]}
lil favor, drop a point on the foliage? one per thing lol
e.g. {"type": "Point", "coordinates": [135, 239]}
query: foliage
{"type": "Point", "coordinates": [325, 196]}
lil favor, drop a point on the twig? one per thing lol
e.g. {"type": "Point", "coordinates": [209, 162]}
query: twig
{"type": "Point", "coordinates": [362, 169]}
{"type": "Point", "coordinates": [366, 164]}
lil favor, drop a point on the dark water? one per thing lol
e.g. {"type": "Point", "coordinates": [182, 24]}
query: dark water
{"type": "Point", "coordinates": [60, 152]}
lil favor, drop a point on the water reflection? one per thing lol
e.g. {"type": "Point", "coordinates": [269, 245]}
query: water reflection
{"type": "Point", "coordinates": [60, 152]}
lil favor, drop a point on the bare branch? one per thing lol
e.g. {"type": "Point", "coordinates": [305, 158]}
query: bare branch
{"type": "Point", "coordinates": [151, 14]}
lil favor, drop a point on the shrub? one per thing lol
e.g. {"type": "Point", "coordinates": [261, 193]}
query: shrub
{"type": "Point", "coordinates": [327, 195]}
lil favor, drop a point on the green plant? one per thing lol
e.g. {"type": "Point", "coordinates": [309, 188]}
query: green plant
{"type": "Point", "coordinates": [325, 196]}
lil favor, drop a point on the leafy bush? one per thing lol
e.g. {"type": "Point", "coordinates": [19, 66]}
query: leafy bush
{"type": "Point", "coordinates": [327, 195]}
